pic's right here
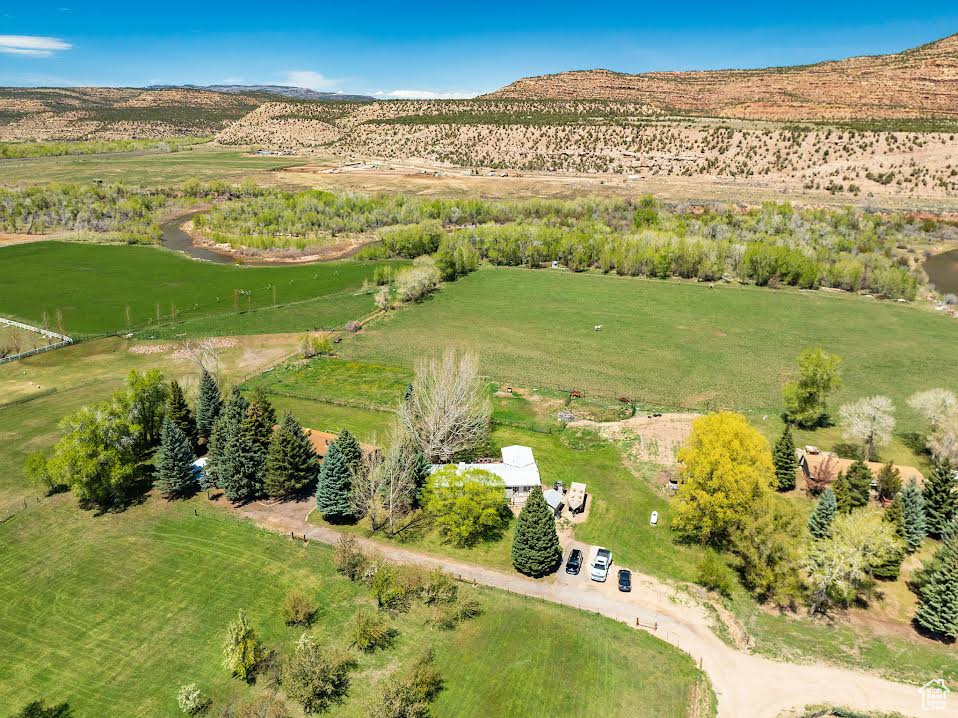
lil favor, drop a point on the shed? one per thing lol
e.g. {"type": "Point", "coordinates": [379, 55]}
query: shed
{"type": "Point", "coordinates": [553, 497]}
{"type": "Point", "coordinates": [575, 498]}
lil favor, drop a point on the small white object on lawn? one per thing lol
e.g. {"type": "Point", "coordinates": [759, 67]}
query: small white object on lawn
{"type": "Point", "coordinates": [654, 518]}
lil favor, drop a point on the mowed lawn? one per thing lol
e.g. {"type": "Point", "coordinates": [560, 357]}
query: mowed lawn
{"type": "Point", "coordinates": [93, 285]}
{"type": "Point", "coordinates": [668, 343]}
{"type": "Point", "coordinates": [204, 162]}
{"type": "Point", "coordinates": [113, 613]}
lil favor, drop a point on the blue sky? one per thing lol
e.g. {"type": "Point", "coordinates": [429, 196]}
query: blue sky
{"type": "Point", "coordinates": [442, 49]}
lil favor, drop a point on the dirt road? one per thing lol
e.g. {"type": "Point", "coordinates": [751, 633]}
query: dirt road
{"type": "Point", "coordinates": [747, 686]}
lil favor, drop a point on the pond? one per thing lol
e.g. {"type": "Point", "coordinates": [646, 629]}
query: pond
{"type": "Point", "coordinates": [942, 271]}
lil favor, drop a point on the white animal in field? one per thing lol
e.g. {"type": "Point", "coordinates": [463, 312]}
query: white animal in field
{"type": "Point", "coordinates": [597, 327]}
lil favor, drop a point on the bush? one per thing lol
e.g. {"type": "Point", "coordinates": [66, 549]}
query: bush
{"type": "Point", "coordinates": [389, 589]}
{"type": "Point", "coordinates": [449, 615]}
{"type": "Point", "coordinates": [191, 700]}
{"type": "Point", "coordinates": [316, 678]}
{"type": "Point", "coordinates": [298, 609]}
{"type": "Point", "coordinates": [416, 282]}
{"type": "Point", "coordinates": [370, 631]}
{"type": "Point", "coordinates": [715, 575]}
{"type": "Point", "coordinates": [438, 588]}
{"type": "Point", "coordinates": [311, 345]}
{"type": "Point", "coordinates": [348, 558]}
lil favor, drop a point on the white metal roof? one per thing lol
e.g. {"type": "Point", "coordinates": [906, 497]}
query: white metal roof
{"type": "Point", "coordinates": [518, 468]}
{"type": "Point", "coordinates": [553, 497]}
{"type": "Point", "coordinates": [519, 456]}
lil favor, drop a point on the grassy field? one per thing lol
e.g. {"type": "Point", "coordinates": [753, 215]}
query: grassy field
{"type": "Point", "coordinates": [93, 286]}
{"type": "Point", "coordinates": [113, 613]}
{"type": "Point", "coordinates": [668, 343]}
{"type": "Point", "coordinates": [205, 162]}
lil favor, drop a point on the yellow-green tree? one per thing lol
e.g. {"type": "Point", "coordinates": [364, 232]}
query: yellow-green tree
{"type": "Point", "coordinates": [726, 466]}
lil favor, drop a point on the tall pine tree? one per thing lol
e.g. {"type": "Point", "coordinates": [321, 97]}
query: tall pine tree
{"type": "Point", "coordinates": [260, 419]}
{"type": "Point", "coordinates": [912, 515]}
{"type": "Point", "coordinates": [843, 498]}
{"type": "Point", "coordinates": [859, 478]}
{"type": "Point", "coordinates": [786, 463]}
{"type": "Point", "coordinates": [941, 499]}
{"type": "Point", "coordinates": [535, 548]}
{"type": "Point", "coordinates": [179, 411]}
{"type": "Point", "coordinates": [209, 405]}
{"type": "Point", "coordinates": [820, 520]}
{"type": "Point", "coordinates": [350, 449]}
{"type": "Point", "coordinates": [174, 462]}
{"type": "Point", "coordinates": [334, 489]}
{"type": "Point", "coordinates": [244, 465]}
{"type": "Point", "coordinates": [938, 606]}
{"type": "Point", "coordinates": [292, 467]}
{"type": "Point", "coordinates": [225, 432]}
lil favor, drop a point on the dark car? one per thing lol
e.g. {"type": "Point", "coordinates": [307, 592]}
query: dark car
{"type": "Point", "coordinates": [574, 564]}
{"type": "Point", "coordinates": [625, 580]}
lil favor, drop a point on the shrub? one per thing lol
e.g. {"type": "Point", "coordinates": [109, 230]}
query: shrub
{"type": "Point", "coordinates": [191, 700]}
{"type": "Point", "coordinates": [449, 615]}
{"type": "Point", "coordinates": [715, 575]}
{"type": "Point", "coordinates": [438, 588]}
{"type": "Point", "coordinates": [370, 631]}
{"type": "Point", "coordinates": [316, 678]}
{"type": "Point", "coordinates": [298, 609]}
{"type": "Point", "coordinates": [348, 558]}
{"type": "Point", "coordinates": [387, 586]}
{"type": "Point", "coordinates": [416, 282]}
{"type": "Point", "coordinates": [241, 648]}
{"type": "Point", "coordinates": [311, 345]}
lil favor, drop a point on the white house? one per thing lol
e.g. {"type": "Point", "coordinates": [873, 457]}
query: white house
{"type": "Point", "coordinates": [517, 469]}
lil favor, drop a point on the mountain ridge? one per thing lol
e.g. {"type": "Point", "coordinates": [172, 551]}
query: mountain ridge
{"type": "Point", "coordinates": [290, 91]}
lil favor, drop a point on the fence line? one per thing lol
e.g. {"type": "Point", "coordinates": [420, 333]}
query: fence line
{"type": "Point", "coordinates": [45, 332]}
{"type": "Point", "coordinates": [64, 340]}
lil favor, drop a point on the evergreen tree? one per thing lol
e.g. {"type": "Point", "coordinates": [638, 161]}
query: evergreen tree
{"type": "Point", "coordinates": [225, 430]}
{"type": "Point", "coordinates": [334, 489]}
{"type": "Point", "coordinates": [291, 463]}
{"type": "Point", "coordinates": [260, 418]}
{"type": "Point", "coordinates": [350, 449]}
{"type": "Point", "coordinates": [843, 498]}
{"type": "Point", "coordinates": [820, 520]}
{"type": "Point", "coordinates": [941, 499]}
{"type": "Point", "coordinates": [895, 515]}
{"type": "Point", "coordinates": [889, 569]}
{"type": "Point", "coordinates": [209, 405]}
{"type": "Point", "coordinates": [889, 482]}
{"type": "Point", "coordinates": [245, 458]}
{"type": "Point", "coordinates": [859, 479]}
{"type": "Point", "coordinates": [912, 515]}
{"type": "Point", "coordinates": [535, 548]}
{"type": "Point", "coordinates": [938, 607]}
{"type": "Point", "coordinates": [421, 471]}
{"type": "Point", "coordinates": [179, 411]}
{"type": "Point", "coordinates": [786, 463]}
{"type": "Point", "coordinates": [174, 462]}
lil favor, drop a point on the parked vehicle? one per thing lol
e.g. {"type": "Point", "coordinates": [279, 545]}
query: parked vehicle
{"type": "Point", "coordinates": [574, 564]}
{"type": "Point", "coordinates": [625, 580]}
{"type": "Point", "coordinates": [654, 518]}
{"type": "Point", "coordinates": [600, 564]}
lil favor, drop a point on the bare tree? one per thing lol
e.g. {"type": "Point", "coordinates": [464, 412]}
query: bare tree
{"type": "Point", "coordinates": [203, 353]}
{"type": "Point", "coordinates": [399, 478]}
{"type": "Point", "coordinates": [448, 411]}
{"type": "Point", "coordinates": [367, 487]}
{"type": "Point", "coordinates": [869, 421]}
{"type": "Point", "coordinates": [939, 407]}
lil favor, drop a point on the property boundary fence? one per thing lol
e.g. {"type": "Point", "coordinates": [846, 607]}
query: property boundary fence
{"type": "Point", "coordinates": [64, 340]}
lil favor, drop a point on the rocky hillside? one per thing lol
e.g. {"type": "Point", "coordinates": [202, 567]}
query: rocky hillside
{"type": "Point", "coordinates": [917, 83]}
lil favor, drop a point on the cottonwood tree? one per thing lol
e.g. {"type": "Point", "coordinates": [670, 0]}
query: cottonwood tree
{"type": "Point", "coordinates": [209, 404]}
{"type": "Point", "coordinates": [404, 472]}
{"type": "Point", "coordinates": [786, 463]}
{"type": "Point", "coordinates": [726, 464]}
{"type": "Point", "coordinates": [868, 422]}
{"type": "Point", "coordinates": [466, 506]}
{"type": "Point", "coordinates": [316, 678]}
{"type": "Point", "coordinates": [535, 548]}
{"type": "Point", "coordinates": [941, 497]}
{"type": "Point", "coordinates": [175, 477]}
{"type": "Point", "coordinates": [147, 405]}
{"type": "Point", "coordinates": [939, 407]}
{"type": "Point", "coordinates": [820, 520]}
{"type": "Point", "coordinates": [806, 398]}
{"type": "Point", "coordinates": [448, 411]}
{"type": "Point", "coordinates": [291, 463]}
{"type": "Point", "coordinates": [365, 490]}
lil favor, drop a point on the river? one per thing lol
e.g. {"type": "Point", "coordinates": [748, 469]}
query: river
{"type": "Point", "coordinates": [179, 241]}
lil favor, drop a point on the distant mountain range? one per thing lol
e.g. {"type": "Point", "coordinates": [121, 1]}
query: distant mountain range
{"type": "Point", "coordinates": [296, 93]}
{"type": "Point", "coordinates": [918, 83]}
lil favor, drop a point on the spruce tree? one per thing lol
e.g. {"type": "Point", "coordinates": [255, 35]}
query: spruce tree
{"type": "Point", "coordinates": [889, 481]}
{"type": "Point", "coordinates": [895, 516]}
{"type": "Point", "coordinates": [291, 464]}
{"type": "Point", "coordinates": [350, 449]}
{"type": "Point", "coordinates": [244, 465]}
{"type": "Point", "coordinates": [786, 463]}
{"type": "Point", "coordinates": [174, 462]}
{"type": "Point", "coordinates": [225, 430]}
{"type": "Point", "coordinates": [912, 515]}
{"type": "Point", "coordinates": [209, 405]}
{"type": "Point", "coordinates": [843, 498]}
{"type": "Point", "coordinates": [535, 548]}
{"type": "Point", "coordinates": [334, 489]}
{"type": "Point", "coordinates": [820, 520]}
{"type": "Point", "coordinates": [422, 468]}
{"type": "Point", "coordinates": [179, 411]}
{"type": "Point", "coordinates": [260, 419]}
{"type": "Point", "coordinates": [859, 479]}
{"type": "Point", "coordinates": [938, 606]}
{"type": "Point", "coordinates": [941, 499]}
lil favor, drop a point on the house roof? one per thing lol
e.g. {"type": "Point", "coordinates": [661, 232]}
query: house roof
{"type": "Point", "coordinates": [518, 467]}
{"type": "Point", "coordinates": [814, 462]}
{"type": "Point", "coordinates": [553, 497]}
{"type": "Point", "coordinates": [518, 456]}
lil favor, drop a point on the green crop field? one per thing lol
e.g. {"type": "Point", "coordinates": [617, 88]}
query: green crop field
{"type": "Point", "coordinates": [113, 613]}
{"type": "Point", "coordinates": [145, 169]}
{"type": "Point", "coordinates": [667, 343]}
{"type": "Point", "coordinates": [92, 286]}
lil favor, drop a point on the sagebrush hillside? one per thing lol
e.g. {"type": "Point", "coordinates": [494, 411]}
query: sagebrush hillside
{"type": "Point", "coordinates": [921, 82]}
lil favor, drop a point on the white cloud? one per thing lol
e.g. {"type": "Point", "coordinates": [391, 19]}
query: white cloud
{"type": "Point", "coordinates": [32, 45]}
{"type": "Point", "coordinates": [310, 79]}
{"type": "Point", "coordinates": [426, 94]}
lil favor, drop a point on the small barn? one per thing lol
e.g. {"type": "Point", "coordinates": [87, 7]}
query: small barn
{"type": "Point", "coordinates": [575, 498]}
{"type": "Point", "coordinates": [554, 499]}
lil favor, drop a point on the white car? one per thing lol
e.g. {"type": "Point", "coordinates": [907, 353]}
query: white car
{"type": "Point", "coordinates": [654, 518]}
